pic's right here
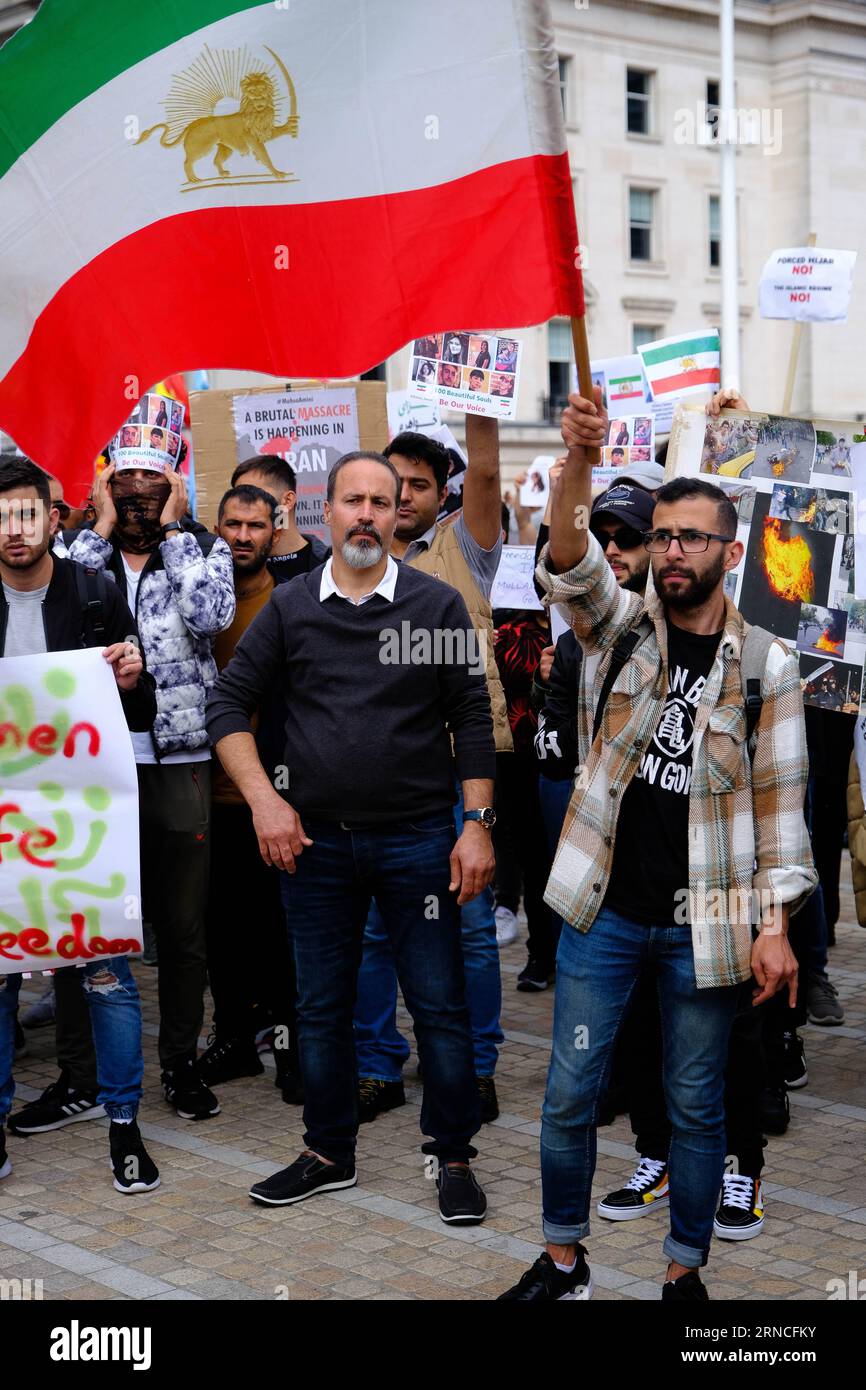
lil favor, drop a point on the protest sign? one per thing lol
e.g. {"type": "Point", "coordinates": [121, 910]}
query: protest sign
{"type": "Point", "coordinates": [793, 485]}
{"type": "Point", "coordinates": [151, 436]}
{"type": "Point", "coordinates": [69, 886]}
{"type": "Point", "coordinates": [476, 373]}
{"type": "Point", "coordinates": [513, 586]}
{"type": "Point", "coordinates": [630, 442]}
{"type": "Point", "coordinates": [535, 492]}
{"type": "Point", "coordinates": [406, 414]}
{"type": "Point", "coordinates": [625, 390]}
{"type": "Point", "coordinates": [309, 430]}
{"type": "Point", "coordinates": [807, 284]}
{"type": "Point", "coordinates": [218, 416]}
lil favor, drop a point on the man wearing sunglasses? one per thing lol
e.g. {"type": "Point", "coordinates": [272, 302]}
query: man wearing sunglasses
{"type": "Point", "coordinates": [619, 519]}
{"type": "Point", "coordinates": [668, 811]}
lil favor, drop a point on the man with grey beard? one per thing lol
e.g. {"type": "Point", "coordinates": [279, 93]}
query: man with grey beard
{"type": "Point", "coordinates": [369, 812]}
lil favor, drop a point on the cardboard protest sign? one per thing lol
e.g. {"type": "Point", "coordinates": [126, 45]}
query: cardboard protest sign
{"type": "Point", "coordinates": [807, 284]}
{"type": "Point", "coordinates": [476, 373]}
{"type": "Point", "coordinates": [792, 483]}
{"type": "Point", "coordinates": [69, 884]}
{"type": "Point", "coordinates": [151, 436]}
{"type": "Point", "coordinates": [513, 586]}
{"type": "Point", "coordinates": [224, 424]}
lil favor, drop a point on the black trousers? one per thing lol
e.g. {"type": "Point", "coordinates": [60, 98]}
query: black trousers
{"type": "Point", "coordinates": [249, 964]}
{"type": "Point", "coordinates": [639, 1070]}
{"type": "Point", "coordinates": [520, 841]}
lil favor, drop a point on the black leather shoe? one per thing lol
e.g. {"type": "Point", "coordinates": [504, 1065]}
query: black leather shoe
{"type": "Point", "coordinates": [461, 1199]}
{"type": "Point", "coordinates": [303, 1178]}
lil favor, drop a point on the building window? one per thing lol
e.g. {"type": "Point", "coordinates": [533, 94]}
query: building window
{"type": "Point", "coordinates": [638, 96]}
{"type": "Point", "coordinates": [641, 208]}
{"type": "Point", "coordinates": [713, 109]}
{"type": "Point", "coordinates": [560, 355]}
{"type": "Point", "coordinates": [642, 333]}
{"type": "Point", "coordinates": [564, 65]}
{"type": "Point", "coordinates": [715, 233]}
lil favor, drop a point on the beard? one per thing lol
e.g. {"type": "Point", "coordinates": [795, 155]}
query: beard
{"type": "Point", "coordinates": [696, 591]}
{"type": "Point", "coordinates": [362, 556]}
{"type": "Point", "coordinates": [635, 581]}
{"type": "Point", "coordinates": [251, 561]}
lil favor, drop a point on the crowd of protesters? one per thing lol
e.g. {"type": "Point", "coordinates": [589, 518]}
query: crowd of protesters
{"type": "Point", "coordinates": [316, 780]}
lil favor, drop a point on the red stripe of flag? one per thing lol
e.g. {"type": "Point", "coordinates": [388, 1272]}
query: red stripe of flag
{"type": "Point", "coordinates": [703, 376]}
{"type": "Point", "coordinates": [365, 276]}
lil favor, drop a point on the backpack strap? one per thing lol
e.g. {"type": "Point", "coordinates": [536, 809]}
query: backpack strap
{"type": "Point", "coordinates": [91, 595]}
{"type": "Point", "coordinates": [753, 661]}
{"type": "Point", "coordinates": [621, 654]}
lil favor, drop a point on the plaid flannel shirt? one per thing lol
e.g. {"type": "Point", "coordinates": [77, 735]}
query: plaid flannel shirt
{"type": "Point", "coordinates": [748, 840]}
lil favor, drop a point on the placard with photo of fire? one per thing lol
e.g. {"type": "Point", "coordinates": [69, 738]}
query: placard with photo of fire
{"type": "Point", "coordinates": [794, 485]}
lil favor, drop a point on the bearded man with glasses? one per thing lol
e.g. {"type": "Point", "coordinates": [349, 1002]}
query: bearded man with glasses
{"type": "Point", "coordinates": [673, 833]}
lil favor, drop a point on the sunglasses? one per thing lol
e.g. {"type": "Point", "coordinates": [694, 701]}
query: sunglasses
{"type": "Point", "coordinates": [624, 537]}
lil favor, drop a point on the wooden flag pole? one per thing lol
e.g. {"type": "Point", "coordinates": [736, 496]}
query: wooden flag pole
{"type": "Point", "coordinates": [795, 350]}
{"type": "Point", "coordinates": [584, 368]}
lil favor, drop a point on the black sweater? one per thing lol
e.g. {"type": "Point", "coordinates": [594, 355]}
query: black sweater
{"type": "Point", "coordinates": [366, 740]}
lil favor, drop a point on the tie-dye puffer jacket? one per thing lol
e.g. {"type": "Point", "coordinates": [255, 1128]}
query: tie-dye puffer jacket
{"type": "Point", "coordinates": [186, 595]}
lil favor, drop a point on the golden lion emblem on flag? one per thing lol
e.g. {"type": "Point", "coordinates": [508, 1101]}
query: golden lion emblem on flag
{"type": "Point", "coordinates": [688, 364]}
{"type": "Point", "coordinates": [191, 105]}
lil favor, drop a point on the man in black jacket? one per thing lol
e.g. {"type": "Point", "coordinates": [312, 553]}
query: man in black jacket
{"type": "Point", "coordinates": [46, 606]}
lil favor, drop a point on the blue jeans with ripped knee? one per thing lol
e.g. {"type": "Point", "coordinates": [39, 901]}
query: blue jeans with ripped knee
{"type": "Point", "coordinates": [115, 1015]}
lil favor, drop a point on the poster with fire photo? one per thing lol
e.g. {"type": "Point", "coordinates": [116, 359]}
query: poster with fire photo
{"type": "Point", "coordinates": [792, 482]}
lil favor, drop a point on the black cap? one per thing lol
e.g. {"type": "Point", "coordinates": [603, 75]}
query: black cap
{"type": "Point", "coordinates": [627, 502]}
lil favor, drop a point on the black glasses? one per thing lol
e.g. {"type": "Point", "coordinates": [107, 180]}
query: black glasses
{"type": "Point", "coordinates": [691, 542]}
{"type": "Point", "coordinates": [624, 538]}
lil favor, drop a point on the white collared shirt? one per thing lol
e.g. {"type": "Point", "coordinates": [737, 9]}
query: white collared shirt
{"type": "Point", "coordinates": [385, 587]}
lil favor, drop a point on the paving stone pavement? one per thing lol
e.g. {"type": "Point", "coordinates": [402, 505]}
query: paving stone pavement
{"type": "Point", "coordinates": [200, 1237]}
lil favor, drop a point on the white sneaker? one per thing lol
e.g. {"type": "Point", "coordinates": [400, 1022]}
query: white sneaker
{"type": "Point", "coordinates": [506, 926]}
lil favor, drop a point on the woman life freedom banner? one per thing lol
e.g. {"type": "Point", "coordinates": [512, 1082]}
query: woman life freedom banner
{"type": "Point", "coordinates": [69, 869]}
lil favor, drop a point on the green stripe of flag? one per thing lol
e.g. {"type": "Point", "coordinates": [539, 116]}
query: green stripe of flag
{"type": "Point", "coordinates": [687, 348]}
{"type": "Point", "coordinates": [71, 48]}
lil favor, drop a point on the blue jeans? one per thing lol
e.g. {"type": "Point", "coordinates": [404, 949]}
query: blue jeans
{"type": "Point", "coordinates": [381, 1047]}
{"type": "Point", "coordinates": [115, 1016]}
{"type": "Point", "coordinates": [327, 900]}
{"type": "Point", "coordinates": [596, 974]}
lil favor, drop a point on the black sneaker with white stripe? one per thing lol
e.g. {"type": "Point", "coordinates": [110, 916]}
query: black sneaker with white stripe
{"type": "Point", "coordinates": [741, 1208]}
{"type": "Point", "coordinates": [544, 1283]}
{"type": "Point", "coordinates": [58, 1105]}
{"type": "Point", "coordinates": [645, 1191]}
{"type": "Point", "coordinates": [5, 1164]}
{"type": "Point", "coordinates": [184, 1089]}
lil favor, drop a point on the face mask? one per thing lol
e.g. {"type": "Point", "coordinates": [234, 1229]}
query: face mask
{"type": "Point", "coordinates": [139, 503]}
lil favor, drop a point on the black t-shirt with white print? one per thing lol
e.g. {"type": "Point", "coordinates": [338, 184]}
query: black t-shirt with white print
{"type": "Point", "coordinates": [651, 849]}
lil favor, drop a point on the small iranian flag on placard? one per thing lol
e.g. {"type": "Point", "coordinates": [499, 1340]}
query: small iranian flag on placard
{"type": "Point", "coordinates": [624, 388]}
{"type": "Point", "coordinates": [685, 366]}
